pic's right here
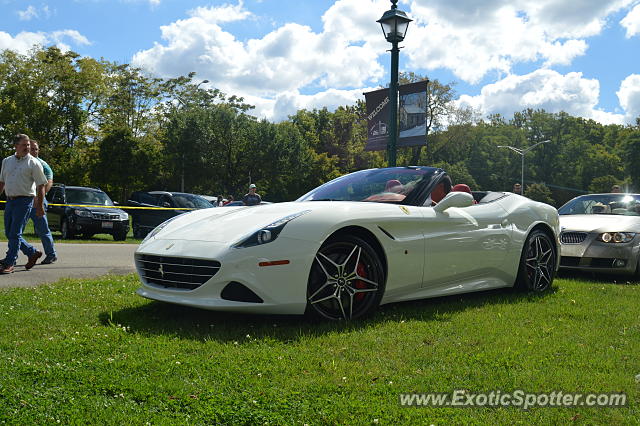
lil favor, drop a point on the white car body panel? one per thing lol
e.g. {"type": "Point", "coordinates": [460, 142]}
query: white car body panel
{"type": "Point", "coordinates": [427, 253]}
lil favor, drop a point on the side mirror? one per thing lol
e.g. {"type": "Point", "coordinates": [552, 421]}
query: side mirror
{"type": "Point", "coordinates": [454, 199]}
{"type": "Point", "coordinates": [166, 204]}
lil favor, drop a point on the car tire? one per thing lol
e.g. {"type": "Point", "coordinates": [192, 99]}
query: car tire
{"type": "Point", "coordinates": [65, 230]}
{"type": "Point", "coordinates": [120, 236]}
{"type": "Point", "coordinates": [537, 263]}
{"type": "Point", "coordinates": [138, 231]}
{"type": "Point", "coordinates": [346, 281]}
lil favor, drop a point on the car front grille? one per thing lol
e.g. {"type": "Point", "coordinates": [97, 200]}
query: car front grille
{"type": "Point", "coordinates": [573, 237]}
{"type": "Point", "coordinates": [176, 272]}
{"type": "Point", "coordinates": [105, 216]}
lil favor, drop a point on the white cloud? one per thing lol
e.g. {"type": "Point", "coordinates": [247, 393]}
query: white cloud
{"type": "Point", "coordinates": [473, 38]}
{"type": "Point", "coordinates": [629, 97]}
{"type": "Point", "coordinates": [470, 38]}
{"type": "Point", "coordinates": [631, 22]}
{"type": "Point", "coordinates": [542, 89]}
{"type": "Point", "coordinates": [32, 12]}
{"type": "Point", "coordinates": [27, 14]}
{"type": "Point", "coordinates": [274, 67]}
{"type": "Point", "coordinates": [25, 41]}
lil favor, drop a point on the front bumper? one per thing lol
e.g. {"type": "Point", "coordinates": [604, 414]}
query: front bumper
{"type": "Point", "coordinates": [87, 225]}
{"type": "Point", "coordinates": [595, 256]}
{"type": "Point", "coordinates": [281, 288]}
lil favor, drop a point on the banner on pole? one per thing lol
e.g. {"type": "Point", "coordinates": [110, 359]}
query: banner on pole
{"type": "Point", "coordinates": [412, 116]}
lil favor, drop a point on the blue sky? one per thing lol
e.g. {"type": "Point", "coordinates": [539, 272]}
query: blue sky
{"type": "Point", "coordinates": [283, 55]}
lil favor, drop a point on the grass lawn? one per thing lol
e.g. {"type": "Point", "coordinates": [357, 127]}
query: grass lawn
{"type": "Point", "coordinates": [92, 352]}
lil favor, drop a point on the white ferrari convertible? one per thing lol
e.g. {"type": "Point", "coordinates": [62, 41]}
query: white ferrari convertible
{"type": "Point", "coordinates": [367, 238]}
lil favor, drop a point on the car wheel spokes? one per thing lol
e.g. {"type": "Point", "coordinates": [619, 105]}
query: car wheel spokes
{"type": "Point", "coordinates": [340, 283]}
{"type": "Point", "coordinates": [539, 263]}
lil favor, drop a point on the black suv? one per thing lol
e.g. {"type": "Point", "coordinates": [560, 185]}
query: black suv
{"type": "Point", "coordinates": [98, 217]}
{"type": "Point", "coordinates": [143, 221]}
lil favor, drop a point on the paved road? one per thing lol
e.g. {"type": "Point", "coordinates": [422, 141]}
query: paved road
{"type": "Point", "coordinates": [74, 261]}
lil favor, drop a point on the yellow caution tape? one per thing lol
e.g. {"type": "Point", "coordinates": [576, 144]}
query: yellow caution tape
{"type": "Point", "coordinates": [118, 207]}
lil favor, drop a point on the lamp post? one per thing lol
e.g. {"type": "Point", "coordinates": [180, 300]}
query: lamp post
{"type": "Point", "coordinates": [394, 25]}
{"type": "Point", "coordinates": [522, 153]}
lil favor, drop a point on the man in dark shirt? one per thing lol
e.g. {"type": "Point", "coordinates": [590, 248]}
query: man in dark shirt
{"type": "Point", "coordinates": [252, 199]}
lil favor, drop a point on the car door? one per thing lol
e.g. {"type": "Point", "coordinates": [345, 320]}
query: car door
{"type": "Point", "coordinates": [55, 210]}
{"type": "Point", "coordinates": [464, 243]}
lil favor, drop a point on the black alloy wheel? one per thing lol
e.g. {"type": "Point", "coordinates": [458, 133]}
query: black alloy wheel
{"type": "Point", "coordinates": [346, 281]}
{"type": "Point", "coordinates": [120, 236]}
{"type": "Point", "coordinates": [65, 230]}
{"type": "Point", "coordinates": [537, 263]}
{"type": "Point", "coordinates": [138, 231]}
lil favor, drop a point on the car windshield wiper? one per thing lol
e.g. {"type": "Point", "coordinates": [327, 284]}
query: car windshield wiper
{"type": "Point", "coordinates": [326, 199]}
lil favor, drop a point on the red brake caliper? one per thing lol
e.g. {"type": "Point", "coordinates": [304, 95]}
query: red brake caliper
{"type": "Point", "coordinates": [362, 272]}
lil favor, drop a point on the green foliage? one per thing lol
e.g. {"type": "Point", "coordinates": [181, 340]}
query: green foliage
{"type": "Point", "coordinates": [630, 148]}
{"type": "Point", "coordinates": [109, 124]}
{"type": "Point", "coordinates": [539, 192]}
{"type": "Point", "coordinates": [603, 183]}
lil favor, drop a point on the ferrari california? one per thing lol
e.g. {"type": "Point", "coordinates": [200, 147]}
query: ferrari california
{"type": "Point", "coordinates": [601, 233]}
{"type": "Point", "coordinates": [364, 239]}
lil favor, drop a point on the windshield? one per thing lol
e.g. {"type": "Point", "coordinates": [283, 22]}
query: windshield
{"type": "Point", "coordinates": [389, 185]}
{"type": "Point", "coordinates": [87, 196]}
{"type": "Point", "coordinates": [618, 204]}
{"type": "Point", "coordinates": [191, 201]}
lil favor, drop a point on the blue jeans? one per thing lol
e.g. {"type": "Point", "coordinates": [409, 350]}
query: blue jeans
{"type": "Point", "coordinates": [16, 215]}
{"type": "Point", "coordinates": [41, 226]}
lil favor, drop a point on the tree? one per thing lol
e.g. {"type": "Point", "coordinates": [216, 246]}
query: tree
{"type": "Point", "coordinates": [630, 146]}
{"type": "Point", "coordinates": [539, 192]}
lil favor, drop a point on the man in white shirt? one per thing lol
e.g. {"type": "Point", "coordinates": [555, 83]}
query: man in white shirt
{"type": "Point", "coordinates": [22, 178]}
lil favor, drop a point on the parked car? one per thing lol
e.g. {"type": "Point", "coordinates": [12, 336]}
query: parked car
{"type": "Point", "coordinates": [350, 245]}
{"type": "Point", "coordinates": [143, 221]}
{"type": "Point", "coordinates": [78, 210]}
{"type": "Point", "coordinates": [240, 203]}
{"type": "Point", "coordinates": [601, 233]}
{"type": "Point", "coordinates": [210, 198]}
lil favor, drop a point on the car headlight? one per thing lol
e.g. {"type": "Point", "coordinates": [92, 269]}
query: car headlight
{"type": "Point", "coordinates": [82, 213]}
{"type": "Point", "coordinates": [616, 237]}
{"type": "Point", "coordinates": [268, 233]}
{"type": "Point", "coordinates": [157, 229]}
{"type": "Point", "coordinates": [124, 216]}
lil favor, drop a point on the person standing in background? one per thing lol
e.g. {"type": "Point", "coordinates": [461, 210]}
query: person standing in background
{"type": "Point", "coordinates": [40, 224]}
{"type": "Point", "coordinates": [517, 188]}
{"type": "Point", "coordinates": [252, 199]}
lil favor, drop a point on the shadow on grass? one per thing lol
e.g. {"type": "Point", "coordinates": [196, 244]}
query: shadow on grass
{"type": "Point", "coordinates": [158, 318]}
{"type": "Point", "coordinates": [593, 277]}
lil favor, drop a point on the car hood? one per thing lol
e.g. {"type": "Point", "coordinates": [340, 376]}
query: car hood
{"type": "Point", "coordinates": [227, 224]}
{"type": "Point", "coordinates": [99, 209]}
{"type": "Point", "coordinates": [600, 223]}
{"type": "Point", "coordinates": [232, 224]}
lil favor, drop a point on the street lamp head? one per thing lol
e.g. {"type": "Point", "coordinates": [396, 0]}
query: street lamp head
{"type": "Point", "coordinates": [394, 23]}
{"type": "Point", "coordinates": [204, 81]}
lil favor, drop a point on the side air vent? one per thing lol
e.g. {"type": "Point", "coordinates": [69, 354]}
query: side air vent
{"type": "Point", "coordinates": [386, 233]}
{"type": "Point", "coordinates": [236, 292]}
